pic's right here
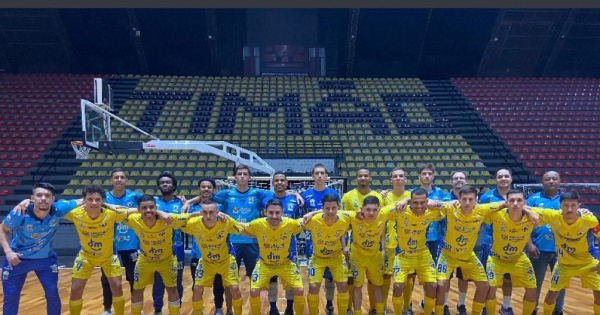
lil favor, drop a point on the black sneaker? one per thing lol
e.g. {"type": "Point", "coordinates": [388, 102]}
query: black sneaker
{"type": "Point", "coordinates": [273, 312]}
{"type": "Point", "coordinates": [329, 310]}
{"type": "Point", "coordinates": [462, 310]}
{"type": "Point", "coordinates": [557, 312]}
{"type": "Point", "coordinates": [446, 310]}
{"type": "Point", "coordinates": [289, 311]}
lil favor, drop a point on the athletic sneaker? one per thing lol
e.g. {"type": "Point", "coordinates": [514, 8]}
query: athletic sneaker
{"type": "Point", "coordinates": [329, 310]}
{"type": "Point", "coordinates": [447, 310]}
{"type": "Point", "coordinates": [407, 311]}
{"type": "Point", "coordinates": [107, 313]}
{"type": "Point", "coordinates": [422, 304]}
{"type": "Point", "coordinates": [372, 312]}
{"type": "Point", "coordinates": [349, 312]}
{"type": "Point", "coordinates": [557, 312]}
{"type": "Point", "coordinates": [506, 311]}
{"type": "Point", "coordinates": [219, 311]}
{"type": "Point", "coordinates": [273, 312]}
{"type": "Point", "coordinates": [462, 310]}
{"type": "Point", "coordinates": [288, 311]}
{"type": "Point", "coordinates": [229, 313]}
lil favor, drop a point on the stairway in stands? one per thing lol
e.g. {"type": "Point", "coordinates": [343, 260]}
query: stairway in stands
{"type": "Point", "coordinates": [475, 130]}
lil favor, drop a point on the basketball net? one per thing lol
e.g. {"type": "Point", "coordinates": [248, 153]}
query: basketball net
{"type": "Point", "coordinates": [81, 150]}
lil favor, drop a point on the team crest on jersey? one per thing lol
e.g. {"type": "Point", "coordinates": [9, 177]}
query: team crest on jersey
{"type": "Point", "coordinates": [250, 199]}
{"type": "Point", "coordinates": [35, 236]}
{"type": "Point", "coordinates": [162, 233]}
{"type": "Point", "coordinates": [319, 233]}
{"type": "Point", "coordinates": [176, 208]}
{"type": "Point", "coordinates": [130, 204]}
{"type": "Point", "coordinates": [29, 227]}
{"type": "Point", "coordinates": [525, 229]}
{"type": "Point", "coordinates": [425, 223]}
{"type": "Point", "coordinates": [5, 274]}
{"type": "Point", "coordinates": [102, 224]}
{"type": "Point", "coordinates": [219, 236]}
{"type": "Point", "coordinates": [503, 228]}
{"type": "Point", "coordinates": [52, 222]}
{"type": "Point", "coordinates": [355, 204]}
{"type": "Point", "coordinates": [235, 210]}
{"type": "Point", "coordinates": [283, 237]}
{"type": "Point", "coordinates": [312, 202]}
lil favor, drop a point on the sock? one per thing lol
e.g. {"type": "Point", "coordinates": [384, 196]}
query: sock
{"type": "Point", "coordinates": [350, 293]}
{"type": "Point", "coordinates": [329, 291]}
{"type": "Point", "coordinates": [506, 301]}
{"type": "Point", "coordinates": [477, 308]}
{"type": "Point", "coordinates": [386, 290]}
{"type": "Point", "coordinates": [342, 302]}
{"type": "Point", "coordinates": [379, 308]}
{"type": "Point", "coordinates": [462, 296]}
{"type": "Point", "coordinates": [528, 307]}
{"type": "Point", "coordinates": [549, 308]}
{"type": "Point", "coordinates": [490, 306]}
{"type": "Point", "coordinates": [237, 306]}
{"type": "Point", "coordinates": [136, 308]}
{"type": "Point", "coordinates": [273, 305]}
{"type": "Point", "coordinates": [75, 306]}
{"type": "Point", "coordinates": [299, 304]}
{"type": "Point", "coordinates": [119, 305]}
{"type": "Point", "coordinates": [290, 303]}
{"type": "Point", "coordinates": [197, 306]}
{"type": "Point", "coordinates": [397, 302]}
{"type": "Point", "coordinates": [407, 293]}
{"type": "Point", "coordinates": [273, 292]}
{"type": "Point", "coordinates": [371, 296]}
{"type": "Point", "coordinates": [313, 304]}
{"type": "Point", "coordinates": [596, 309]}
{"type": "Point", "coordinates": [439, 310]}
{"type": "Point", "coordinates": [429, 305]}
{"type": "Point", "coordinates": [174, 307]}
{"type": "Point", "coordinates": [255, 305]}
{"type": "Point", "coordinates": [446, 298]}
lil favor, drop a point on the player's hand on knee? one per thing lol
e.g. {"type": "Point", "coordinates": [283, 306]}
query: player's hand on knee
{"type": "Point", "coordinates": [13, 258]}
{"type": "Point", "coordinates": [22, 206]}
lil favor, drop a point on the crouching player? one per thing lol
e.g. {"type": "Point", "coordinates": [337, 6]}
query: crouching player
{"type": "Point", "coordinates": [328, 231]}
{"type": "Point", "coordinates": [211, 232]}
{"type": "Point", "coordinates": [414, 256]}
{"type": "Point", "coordinates": [274, 235]}
{"type": "Point", "coordinates": [570, 229]}
{"type": "Point", "coordinates": [156, 254]}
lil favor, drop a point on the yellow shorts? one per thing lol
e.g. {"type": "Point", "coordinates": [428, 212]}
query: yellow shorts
{"type": "Point", "coordinates": [82, 268]}
{"type": "Point", "coordinates": [561, 276]}
{"type": "Point", "coordinates": [288, 273]}
{"type": "Point", "coordinates": [337, 265]}
{"type": "Point", "coordinates": [143, 273]}
{"type": "Point", "coordinates": [472, 269]}
{"type": "Point", "coordinates": [521, 272]}
{"type": "Point", "coordinates": [423, 266]}
{"type": "Point", "coordinates": [206, 272]}
{"type": "Point", "coordinates": [370, 267]}
{"type": "Point", "coordinates": [388, 261]}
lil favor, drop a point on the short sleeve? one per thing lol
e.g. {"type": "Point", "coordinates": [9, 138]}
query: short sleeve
{"type": "Point", "coordinates": [446, 206]}
{"type": "Point", "coordinates": [546, 215]}
{"type": "Point", "coordinates": [64, 206]}
{"type": "Point", "coordinates": [234, 226]}
{"type": "Point", "coordinates": [179, 220]}
{"type": "Point", "coordinates": [298, 226]}
{"type": "Point", "coordinates": [435, 214]}
{"type": "Point", "coordinates": [120, 215]}
{"type": "Point", "coordinates": [485, 209]}
{"type": "Point", "coordinates": [593, 223]}
{"type": "Point", "coordinates": [13, 220]}
{"type": "Point", "coordinates": [221, 196]}
{"type": "Point", "coordinates": [389, 212]}
{"type": "Point", "coordinates": [68, 216]}
{"type": "Point", "coordinates": [344, 201]}
{"type": "Point", "coordinates": [251, 227]}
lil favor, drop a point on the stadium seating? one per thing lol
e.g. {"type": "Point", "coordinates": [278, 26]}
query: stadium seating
{"type": "Point", "coordinates": [374, 123]}
{"type": "Point", "coordinates": [36, 108]}
{"type": "Point", "coordinates": [549, 123]}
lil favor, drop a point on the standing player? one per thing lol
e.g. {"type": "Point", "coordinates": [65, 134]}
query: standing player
{"type": "Point", "coordinates": [398, 179]}
{"type": "Point", "coordinates": [414, 256]}
{"type": "Point", "coordinates": [570, 230]}
{"type": "Point", "coordinates": [463, 222]}
{"type": "Point", "coordinates": [95, 226]}
{"type": "Point", "coordinates": [541, 247]}
{"type": "Point", "coordinates": [313, 198]}
{"type": "Point", "coordinates": [353, 201]}
{"type": "Point", "coordinates": [211, 232]}
{"type": "Point", "coordinates": [328, 230]}
{"type": "Point", "coordinates": [511, 231]}
{"type": "Point", "coordinates": [126, 242]}
{"type": "Point", "coordinates": [503, 182]}
{"type": "Point", "coordinates": [31, 248]}
{"type": "Point", "coordinates": [274, 234]}
{"type": "Point", "coordinates": [206, 187]}
{"type": "Point", "coordinates": [169, 203]}
{"type": "Point", "coordinates": [156, 249]}
{"type": "Point", "coordinates": [290, 210]}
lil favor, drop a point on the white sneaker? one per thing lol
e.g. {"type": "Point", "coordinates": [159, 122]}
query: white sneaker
{"type": "Point", "coordinates": [106, 313]}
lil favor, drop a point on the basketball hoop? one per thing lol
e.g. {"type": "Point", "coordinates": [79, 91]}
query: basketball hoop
{"type": "Point", "coordinates": [81, 150]}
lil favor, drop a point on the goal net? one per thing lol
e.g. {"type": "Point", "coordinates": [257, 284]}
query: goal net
{"type": "Point", "coordinates": [589, 192]}
{"type": "Point", "coordinates": [298, 184]}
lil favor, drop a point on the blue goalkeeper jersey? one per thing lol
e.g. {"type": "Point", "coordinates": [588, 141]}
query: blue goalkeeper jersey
{"type": "Point", "coordinates": [125, 238]}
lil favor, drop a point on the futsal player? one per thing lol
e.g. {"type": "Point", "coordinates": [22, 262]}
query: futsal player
{"type": "Point", "coordinates": [570, 230]}
{"type": "Point", "coordinates": [274, 234]}
{"type": "Point", "coordinates": [31, 248]}
{"type": "Point", "coordinates": [313, 201]}
{"type": "Point", "coordinates": [328, 230]}
{"type": "Point", "coordinates": [211, 233]}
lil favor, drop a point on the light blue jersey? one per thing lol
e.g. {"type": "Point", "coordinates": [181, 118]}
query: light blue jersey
{"type": "Point", "coordinates": [125, 238]}
{"type": "Point", "coordinates": [542, 236]}
{"type": "Point", "coordinates": [171, 206]}
{"type": "Point", "coordinates": [32, 236]}
{"type": "Point", "coordinates": [243, 207]}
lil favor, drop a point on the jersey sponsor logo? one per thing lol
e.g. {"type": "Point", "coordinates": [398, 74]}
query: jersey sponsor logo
{"type": "Point", "coordinates": [95, 246]}
{"type": "Point", "coordinates": [122, 228]}
{"type": "Point", "coordinates": [510, 249]}
{"type": "Point", "coordinates": [461, 240]}
{"type": "Point", "coordinates": [273, 257]}
{"type": "Point", "coordinates": [368, 243]}
{"type": "Point", "coordinates": [155, 251]}
{"type": "Point", "coordinates": [214, 257]}
{"type": "Point", "coordinates": [29, 227]}
{"type": "Point", "coordinates": [412, 244]}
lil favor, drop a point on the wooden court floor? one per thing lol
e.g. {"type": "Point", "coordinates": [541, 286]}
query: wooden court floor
{"type": "Point", "coordinates": [578, 301]}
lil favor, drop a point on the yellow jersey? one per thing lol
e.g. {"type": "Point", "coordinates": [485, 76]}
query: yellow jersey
{"type": "Point", "coordinates": [412, 231]}
{"type": "Point", "coordinates": [391, 239]}
{"type": "Point", "coordinates": [326, 238]}
{"type": "Point", "coordinates": [572, 246]}
{"type": "Point", "coordinates": [274, 243]}
{"type": "Point", "coordinates": [96, 235]}
{"type": "Point", "coordinates": [156, 243]}
{"type": "Point", "coordinates": [462, 230]}
{"type": "Point", "coordinates": [366, 237]}
{"type": "Point", "coordinates": [353, 200]}
{"type": "Point", "coordinates": [213, 243]}
{"type": "Point", "coordinates": [509, 237]}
